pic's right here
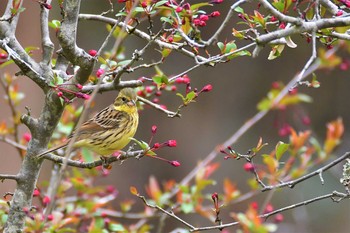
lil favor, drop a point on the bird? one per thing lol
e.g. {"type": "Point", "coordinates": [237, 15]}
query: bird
{"type": "Point", "coordinates": [109, 130]}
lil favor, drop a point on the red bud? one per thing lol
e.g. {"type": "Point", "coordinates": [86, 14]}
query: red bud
{"type": "Point", "coordinates": [92, 52]}
{"type": "Point", "coordinates": [175, 163]}
{"type": "Point", "coordinates": [172, 143]}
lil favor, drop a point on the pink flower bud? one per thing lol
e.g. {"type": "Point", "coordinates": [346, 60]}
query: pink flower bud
{"type": "Point", "coordinates": [248, 167]}
{"type": "Point", "coordinates": [46, 200]}
{"type": "Point", "coordinates": [170, 39]}
{"type": "Point", "coordinates": [110, 189]}
{"type": "Point", "coordinates": [306, 120]}
{"type": "Point", "coordinates": [215, 196]}
{"type": "Point", "coordinates": [273, 19]}
{"type": "Point", "coordinates": [216, 1]}
{"type": "Point", "coordinates": [172, 143]}
{"type": "Point", "coordinates": [179, 80]}
{"type": "Point", "coordinates": [79, 86]}
{"type": "Point", "coordinates": [207, 88]}
{"type": "Point", "coordinates": [204, 17]}
{"type": "Point", "coordinates": [202, 23]}
{"type": "Point", "coordinates": [47, 6]}
{"type": "Point", "coordinates": [278, 218]}
{"type": "Point", "coordinates": [92, 52]}
{"type": "Point", "coordinates": [179, 9]}
{"type": "Point", "coordinates": [196, 22]}
{"type": "Point", "coordinates": [154, 129]}
{"type": "Point", "coordinates": [49, 217]}
{"type": "Point", "coordinates": [215, 14]}
{"type": "Point", "coordinates": [27, 136]}
{"type": "Point", "coordinates": [36, 193]}
{"type": "Point", "coordinates": [275, 85]}
{"type": "Point", "coordinates": [282, 25]}
{"type": "Point", "coordinates": [254, 205]}
{"type": "Point", "coordinates": [268, 208]}
{"type": "Point", "coordinates": [60, 94]}
{"type": "Point", "coordinates": [3, 56]}
{"type": "Point", "coordinates": [149, 89]}
{"type": "Point", "coordinates": [175, 163]}
{"type": "Point", "coordinates": [99, 72]}
{"type": "Point", "coordinates": [156, 145]}
{"type": "Point", "coordinates": [144, 4]}
{"type": "Point", "coordinates": [82, 95]}
{"type": "Point", "coordinates": [186, 79]}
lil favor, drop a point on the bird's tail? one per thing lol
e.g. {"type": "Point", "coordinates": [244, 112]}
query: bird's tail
{"type": "Point", "coordinates": [59, 146]}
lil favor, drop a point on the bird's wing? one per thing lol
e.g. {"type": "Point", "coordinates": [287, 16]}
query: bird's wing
{"type": "Point", "coordinates": [106, 119]}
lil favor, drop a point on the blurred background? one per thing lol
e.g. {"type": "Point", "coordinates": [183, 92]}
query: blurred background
{"type": "Point", "coordinates": [237, 88]}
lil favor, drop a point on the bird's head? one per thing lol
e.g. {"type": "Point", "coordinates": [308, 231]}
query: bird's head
{"type": "Point", "coordinates": [126, 100]}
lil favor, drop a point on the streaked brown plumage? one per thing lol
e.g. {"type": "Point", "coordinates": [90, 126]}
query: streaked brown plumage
{"type": "Point", "coordinates": [110, 129]}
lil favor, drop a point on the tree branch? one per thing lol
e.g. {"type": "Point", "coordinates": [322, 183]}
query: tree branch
{"type": "Point", "coordinates": [319, 171]}
{"type": "Point", "coordinates": [109, 160]}
{"type": "Point", "coordinates": [8, 177]}
{"type": "Point", "coordinates": [46, 43]}
{"type": "Point", "coordinates": [332, 195]}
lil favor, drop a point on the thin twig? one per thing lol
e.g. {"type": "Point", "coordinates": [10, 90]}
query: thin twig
{"type": "Point", "coordinates": [292, 183]}
{"type": "Point", "coordinates": [158, 107]}
{"type": "Point", "coordinates": [171, 214]}
{"type": "Point", "coordinates": [12, 143]}
{"type": "Point", "coordinates": [332, 195]}
{"type": "Point", "coordinates": [8, 177]}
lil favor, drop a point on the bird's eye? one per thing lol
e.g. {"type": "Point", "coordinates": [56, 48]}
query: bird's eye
{"type": "Point", "coordinates": [124, 99]}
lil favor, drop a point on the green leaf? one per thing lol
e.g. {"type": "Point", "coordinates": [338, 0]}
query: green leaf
{"type": "Point", "coordinates": [160, 79]}
{"type": "Point", "coordinates": [160, 3]}
{"type": "Point", "coordinates": [264, 104]}
{"type": "Point", "coordinates": [144, 145]}
{"type": "Point", "coordinates": [121, 14]}
{"type": "Point", "coordinates": [191, 95]}
{"type": "Point", "coordinates": [139, 9]}
{"type": "Point", "coordinates": [281, 148]}
{"type": "Point", "coordinates": [198, 5]}
{"type": "Point", "coordinates": [239, 54]}
{"type": "Point", "coordinates": [116, 227]}
{"type": "Point", "coordinates": [167, 20]}
{"type": "Point", "coordinates": [166, 52]}
{"type": "Point", "coordinates": [290, 43]}
{"type": "Point", "coordinates": [276, 51]}
{"type": "Point", "coordinates": [125, 62]}
{"type": "Point", "coordinates": [30, 49]}
{"type": "Point", "coordinates": [182, 97]}
{"type": "Point", "coordinates": [221, 46]}
{"type": "Point", "coordinates": [239, 10]}
{"type": "Point", "coordinates": [55, 24]}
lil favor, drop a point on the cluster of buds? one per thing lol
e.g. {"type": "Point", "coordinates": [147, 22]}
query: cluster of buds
{"type": "Point", "coordinates": [60, 90]}
{"type": "Point", "coordinates": [230, 154]}
{"type": "Point", "coordinates": [157, 145]}
{"type": "Point", "coordinates": [201, 20]}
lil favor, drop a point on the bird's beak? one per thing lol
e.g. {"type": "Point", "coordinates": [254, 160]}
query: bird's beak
{"type": "Point", "coordinates": [131, 103]}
